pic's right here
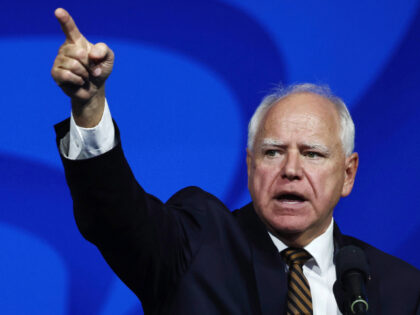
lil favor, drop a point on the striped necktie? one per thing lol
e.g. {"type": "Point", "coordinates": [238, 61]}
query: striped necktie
{"type": "Point", "coordinates": [299, 300]}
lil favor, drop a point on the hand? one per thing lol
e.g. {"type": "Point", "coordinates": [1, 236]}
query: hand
{"type": "Point", "coordinates": [81, 69]}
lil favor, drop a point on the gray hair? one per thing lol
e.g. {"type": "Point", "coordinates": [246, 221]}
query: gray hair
{"type": "Point", "coordinates": [347, 129]}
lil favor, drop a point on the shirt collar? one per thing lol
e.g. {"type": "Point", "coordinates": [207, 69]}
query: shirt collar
{"type": "Point", "coordinates": [321, 249]}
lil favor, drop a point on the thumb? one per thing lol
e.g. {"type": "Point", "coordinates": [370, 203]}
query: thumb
{"type": "Point", "coordinates": [98, 52]}
{"type": "Point", "coordinates": [101, 58]}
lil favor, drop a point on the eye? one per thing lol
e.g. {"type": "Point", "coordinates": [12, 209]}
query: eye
{"type": "Point", "coordinates": [313, 154]}
{"type": "Point", "coordinates": [271, 153]}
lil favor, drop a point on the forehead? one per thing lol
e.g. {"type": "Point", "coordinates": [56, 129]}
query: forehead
{"type": "Point", "coordinates": [302, 114]}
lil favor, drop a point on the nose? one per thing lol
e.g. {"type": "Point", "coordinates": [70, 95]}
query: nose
{"type": "Point", "coordinates": [292, 168]}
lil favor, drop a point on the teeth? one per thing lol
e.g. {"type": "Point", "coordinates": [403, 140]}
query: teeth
{"type": "Point", "coordinates": [290, 201]}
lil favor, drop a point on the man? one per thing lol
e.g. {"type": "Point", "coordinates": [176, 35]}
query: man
{"type": "Point", "coordinates": [191, 255]}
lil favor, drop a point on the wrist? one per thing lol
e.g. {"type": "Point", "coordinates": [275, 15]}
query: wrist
{"type": "Point", "coordinates": [89, 114]}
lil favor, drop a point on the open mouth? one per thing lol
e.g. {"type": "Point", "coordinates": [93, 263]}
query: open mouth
{"type": "Point", "coordinates": [290, 197]}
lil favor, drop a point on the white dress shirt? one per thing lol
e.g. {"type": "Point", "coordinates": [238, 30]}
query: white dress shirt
{"type": "Point", "coordinates": [319, 270]}
{"type": "Point", "coordinates": [82, 143]}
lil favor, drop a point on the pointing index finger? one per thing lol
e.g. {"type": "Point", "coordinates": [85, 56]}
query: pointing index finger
{"type": "Point", "coordinates": [67, 25]}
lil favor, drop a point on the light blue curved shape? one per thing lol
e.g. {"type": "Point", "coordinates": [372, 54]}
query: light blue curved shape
{"type": "Point", "coordinates": [174, 113]}
{"type": "Point", "coordinates": [31, 102]}
{"type": "Point", "coordinates": [33, 277]}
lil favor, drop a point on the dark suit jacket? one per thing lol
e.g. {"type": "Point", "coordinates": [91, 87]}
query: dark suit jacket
{"type": "Point", "coordinates": [192, 255]}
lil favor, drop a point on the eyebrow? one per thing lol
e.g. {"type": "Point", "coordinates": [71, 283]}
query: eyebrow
{"type": "Point", "coordinates": [316, 146]}
{"type": "Point", "coordinates": [273, 142]}
{"type": "Point", "coordinates": [310, 146]}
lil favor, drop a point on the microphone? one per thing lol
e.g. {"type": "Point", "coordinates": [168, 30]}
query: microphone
{"type": "Point", "coordinates": [352, 272]}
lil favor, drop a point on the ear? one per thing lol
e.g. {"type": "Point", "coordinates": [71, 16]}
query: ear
{"type": "Point", "coordinates": [352, 162]}
{"type": "Point", "coordinates": [248, 161]}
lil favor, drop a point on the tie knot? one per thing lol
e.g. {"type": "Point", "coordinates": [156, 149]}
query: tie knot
{"type": "Point", "coordinates": [293, 256]}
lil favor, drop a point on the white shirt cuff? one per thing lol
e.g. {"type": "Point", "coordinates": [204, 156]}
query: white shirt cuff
{"type": "Point", "coordinates": [83, 143]}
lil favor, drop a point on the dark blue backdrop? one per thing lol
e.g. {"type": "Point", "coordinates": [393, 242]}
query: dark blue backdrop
{"type": "Point", "coordinates": [187, 77]}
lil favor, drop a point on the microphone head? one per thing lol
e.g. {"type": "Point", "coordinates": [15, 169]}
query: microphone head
{"type": "Point", "coordinates": [351, 258]}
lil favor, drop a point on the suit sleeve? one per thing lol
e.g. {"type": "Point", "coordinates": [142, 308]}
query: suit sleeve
{"type": "Point", "coordinates": [147, 243]}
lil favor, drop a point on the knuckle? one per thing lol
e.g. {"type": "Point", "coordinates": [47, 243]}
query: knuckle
{"type": "Point", "coordinates": [74, 64]}
{"type": "Point", "coordinates": [66, 76]}
{"type": "Point", "coordinates": [81, 53]}
{"type": "Point", "coordinates": [70, 50]}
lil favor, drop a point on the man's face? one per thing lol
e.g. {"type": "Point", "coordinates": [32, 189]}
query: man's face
{"type": "Point", "coordinates": [297, 170]}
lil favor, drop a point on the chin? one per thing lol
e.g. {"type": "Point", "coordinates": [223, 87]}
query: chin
{"type": "Point", "coordinates": [289, 225]}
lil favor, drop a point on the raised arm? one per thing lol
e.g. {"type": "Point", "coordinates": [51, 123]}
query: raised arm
{"type": "Point", "coordinates": [147, 243]}
{"type": "Point", "coordinates": [80, 70]}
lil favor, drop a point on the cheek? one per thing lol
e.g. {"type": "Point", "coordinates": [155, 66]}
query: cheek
{"type": "Point", "coordinates": [320, 177]}
{"type": "Point", "coordinates": [260, 179]}
{"type": "Point", "coordinates": [327, 185]}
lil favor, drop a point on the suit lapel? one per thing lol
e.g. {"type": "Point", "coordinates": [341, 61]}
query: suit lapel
{"type": "Point", "coordinates": [269, 269]}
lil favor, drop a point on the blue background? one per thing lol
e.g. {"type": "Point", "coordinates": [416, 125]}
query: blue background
{"type": "Point", "coordinates": [187, 77]}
